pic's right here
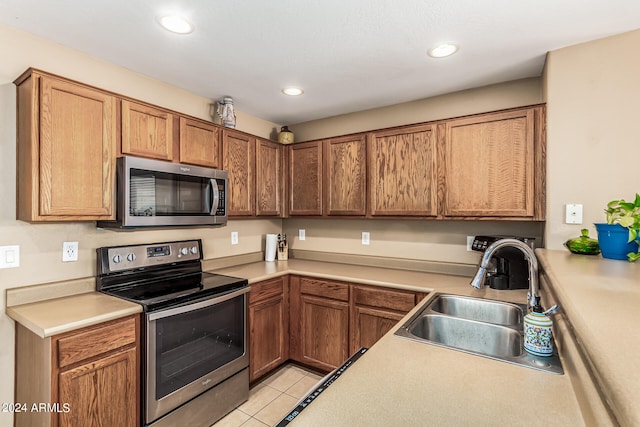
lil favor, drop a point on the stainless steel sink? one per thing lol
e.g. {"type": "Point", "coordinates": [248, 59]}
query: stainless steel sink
{"type": "Point", "coordinates": [482, 310]}
{"type": "Point", "coordinates": [470, 335]}
{"type": "Point", "coordinates": [477, 326]}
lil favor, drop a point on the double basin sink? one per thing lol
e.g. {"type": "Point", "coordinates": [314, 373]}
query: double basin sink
{"type": "Point", "coordinates": [478, 326]}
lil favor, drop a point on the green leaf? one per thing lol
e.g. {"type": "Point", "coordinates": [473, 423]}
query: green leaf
{"type": "Point", "coordinates": [633, 256]}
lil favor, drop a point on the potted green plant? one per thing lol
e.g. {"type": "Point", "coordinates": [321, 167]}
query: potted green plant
{"type": "Point", "coordinates": [619, 238]}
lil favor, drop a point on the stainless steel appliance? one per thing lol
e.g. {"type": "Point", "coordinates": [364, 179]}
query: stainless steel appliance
{"type": "Point", "coordinates": [509, 269]}
{"type": "Point", "coordinates": [153, 193]}
{"type": "Point", "coordinates": [195, 353]}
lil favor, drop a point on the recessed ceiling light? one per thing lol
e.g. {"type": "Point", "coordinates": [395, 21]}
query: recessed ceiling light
{"type": "Point", "coordinates": [292, 91]}
{"type": "Point", "coordinates": [176, 24]}
{"type": "Point", "coordinates": [445, 49]}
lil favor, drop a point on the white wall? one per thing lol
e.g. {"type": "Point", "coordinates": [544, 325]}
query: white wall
{"type": "Point", "coordinates": [592, 92]}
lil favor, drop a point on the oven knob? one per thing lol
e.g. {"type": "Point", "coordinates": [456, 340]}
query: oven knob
{"type": "Point", "coordinates": [184, 251]}
{"type": "Point", "coordinates": [131, 257]}
{"type": "Point", "coordinates": [117, 258]}
{"type": "Point", "coordinates": [194, 250]}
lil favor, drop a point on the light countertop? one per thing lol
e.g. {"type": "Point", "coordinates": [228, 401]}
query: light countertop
{"type": "Point", "coordinates": [423, 384]}
{"type": "Point", "coordinates": [55, 316]}
{"type": "Point", "coordinates": [601, 298]}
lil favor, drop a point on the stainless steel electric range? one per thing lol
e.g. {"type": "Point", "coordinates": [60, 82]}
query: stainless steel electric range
{"type": "Point", "coordinates": [195, 353]}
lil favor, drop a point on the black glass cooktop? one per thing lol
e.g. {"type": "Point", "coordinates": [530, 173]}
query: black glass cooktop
{"type": "Point", "coordinates": [170, 290]}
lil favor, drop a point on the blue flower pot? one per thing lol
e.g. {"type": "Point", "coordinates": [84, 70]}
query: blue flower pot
{"type": "Point", "coordinates": [614, 241]}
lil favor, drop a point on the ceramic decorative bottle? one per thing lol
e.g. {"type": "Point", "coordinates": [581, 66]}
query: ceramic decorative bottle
{"type": "Point", "coordinates": [285, 136]}
{"type": "Point", "coordinates": [226, 112]}
{"type": "Point", "coordinates": [538, 332]}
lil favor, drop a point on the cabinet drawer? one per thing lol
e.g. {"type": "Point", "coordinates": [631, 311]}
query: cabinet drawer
{"type": "Point", "coordinates": [265, 290]}
{"type": "Point", "coordinates": [324, 288]}
{"type": "Point", "coordinates": [93, 341]}
{"type": "Point", "coordinates": [384, 298]}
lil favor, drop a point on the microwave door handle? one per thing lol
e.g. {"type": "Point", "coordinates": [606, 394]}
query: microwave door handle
{"type": "Point", "coordinates": [216, 196]}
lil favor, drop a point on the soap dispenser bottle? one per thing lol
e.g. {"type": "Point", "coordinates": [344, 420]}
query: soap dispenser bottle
{"type": "Point", "coordinates": [538, 331]}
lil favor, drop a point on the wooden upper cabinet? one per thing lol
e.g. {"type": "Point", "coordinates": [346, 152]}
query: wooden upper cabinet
{"type": "Point", "coordinates": [305, 178]}
{"type": "Point", "coordinates": [488, 164]}
{"type": "Point", "coordinates": [238, 160]}
{"type": "Point", "coordinates": [147, 131]}
{"type": "Point", "coordinates": [269, 178]}
{"type": "Point", "coordinates": [345, 175]}
{"type": "Point", "coordinates": [402, 172]}
{"type": "Point", "coordinates": [66, 146]}
{"type": "Point", "coordinates": [199, 143]}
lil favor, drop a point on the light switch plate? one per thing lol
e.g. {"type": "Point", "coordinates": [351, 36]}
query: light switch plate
{"type": "Point", "coordinates": [9, 256]}
{"type": "Point", "coordinates": [573, 214]}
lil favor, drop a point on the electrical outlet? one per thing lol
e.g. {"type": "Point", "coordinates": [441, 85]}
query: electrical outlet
{"type": "Point", "coordinates": [9, 256]}
{"type": "Point", "coordinates": [234, 237]}
{"type": "Point", "coordinates": [301, 234]}
{"type": "Point", "coordinates": [69, 251]}
{"type": "Point", "coordinates": [366, 238]}
{"type": "Point", "coordinates": [470, 240]}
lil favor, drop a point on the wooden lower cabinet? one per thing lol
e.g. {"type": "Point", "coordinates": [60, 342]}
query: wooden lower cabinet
{"type": "Point", "coordinates": [268, 326]}
{"type": "Point", "coordinates": [319, 322]}
{"type": "Point", "coordinates": [375, 311]}
{"type": "Point", "coordinates": [331, 320]}
{"type": "Point", "coordinates": [87, 377]}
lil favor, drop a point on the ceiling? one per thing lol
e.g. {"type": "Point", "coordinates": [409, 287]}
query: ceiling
{"type": "Point", "coordinates": [347, 55]}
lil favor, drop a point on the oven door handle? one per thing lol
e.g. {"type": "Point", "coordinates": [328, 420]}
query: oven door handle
{"type": "Point", "coordinates": [195, 306]}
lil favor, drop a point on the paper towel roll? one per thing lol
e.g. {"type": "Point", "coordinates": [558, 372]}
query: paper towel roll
{"type": "Point", "coordinates": [271, 247]}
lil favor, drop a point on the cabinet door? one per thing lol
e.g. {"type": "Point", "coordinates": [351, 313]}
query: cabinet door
{"type": "Point", "coordinates": [325, 332]}
{"type": "Point", "coordinates": [268, 326]}
{"type": "Point", "coordinates": [345, 176]}
{"type": "Point", "coordinates": [376, 311]}
{"type": "Point", "coordinates": [102, 392]}
{"type": "Point", "coordinates": [371, 324]}
{"type": "Point", "coordinates": [239, 160]}
{"type": "Point", "coordinates": [269, 179]}
{"type": "Point", "coordinates": [147, 131]}
{"type": "Point", "coordinates": [199, 143]}
{"type": "Point", "coordinates": [402, 172]}
{"type": "Point", "coordinates": [77, 152]}
{"type": "Point", "coordinates": [489, 165]}
{"type": "Point", "coordinates": [305, 178]}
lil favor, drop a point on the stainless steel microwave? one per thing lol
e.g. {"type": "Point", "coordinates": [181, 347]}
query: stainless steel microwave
{"type": "Point", "coordinates": [154, 193]}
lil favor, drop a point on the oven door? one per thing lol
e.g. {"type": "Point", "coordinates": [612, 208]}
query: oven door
{"type": "Point", "coordinates": [192, 348]}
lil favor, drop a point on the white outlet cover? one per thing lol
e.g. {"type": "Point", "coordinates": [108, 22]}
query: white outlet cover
{"type": "Point", "coordinates": [234, 237]}
{"type": "Point", "coordinates": [69, 251]}
{"type": "Point", "coordinates": [366, 238]}
{"type": "Point", "coordinates": [470, 240]}
{"type": "Point", "coordinates": [301, 234]}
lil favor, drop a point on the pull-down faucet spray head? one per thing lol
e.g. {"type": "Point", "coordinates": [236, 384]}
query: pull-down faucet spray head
{"type": "Point", "coordinates": [480, 276]}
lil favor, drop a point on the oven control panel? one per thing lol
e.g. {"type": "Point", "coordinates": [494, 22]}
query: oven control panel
{"type": "Point", "coordinates": [118, 258]}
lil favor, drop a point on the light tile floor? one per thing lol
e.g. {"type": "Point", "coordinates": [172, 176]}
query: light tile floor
{"type": "Point", "coordinates": [272, 398]}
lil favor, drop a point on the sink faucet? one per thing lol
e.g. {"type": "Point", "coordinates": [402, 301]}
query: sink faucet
{"type": "Point", "coordinates": [478, 280]}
